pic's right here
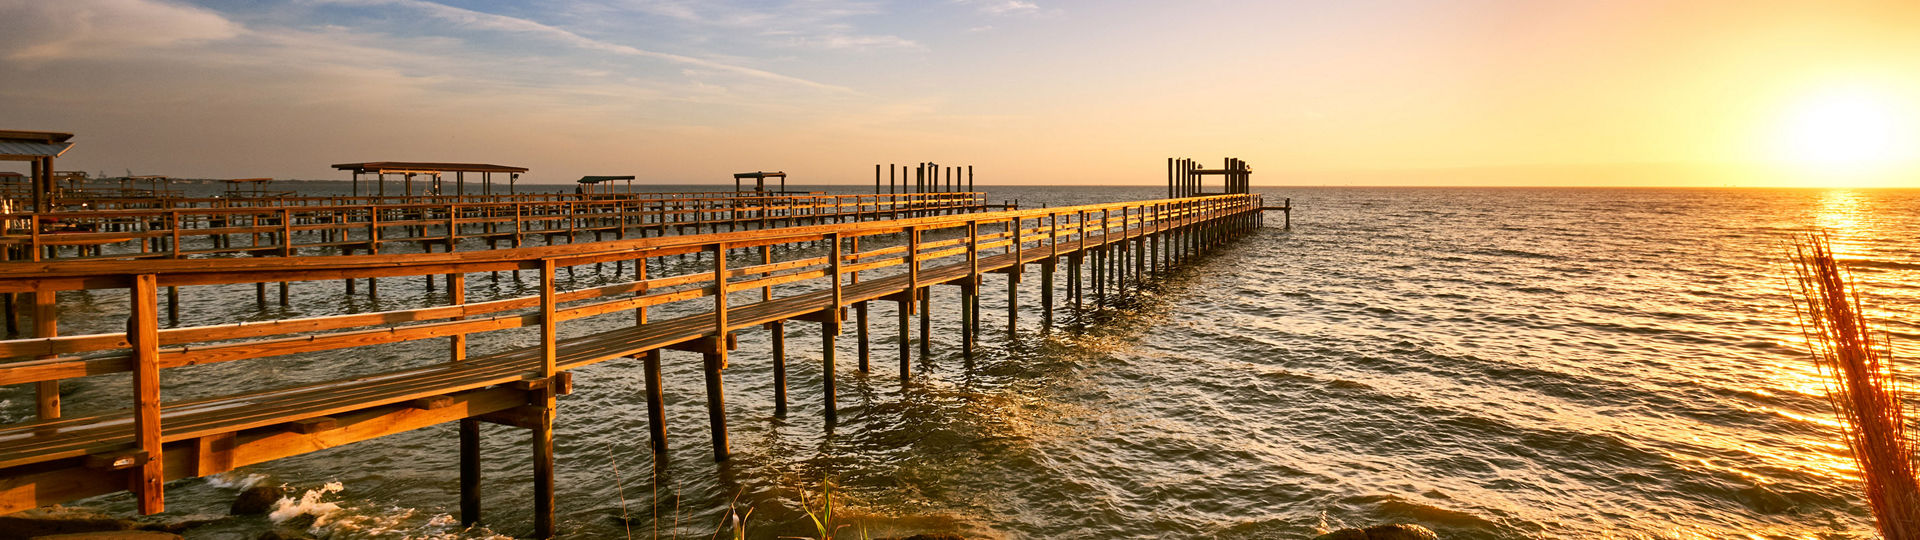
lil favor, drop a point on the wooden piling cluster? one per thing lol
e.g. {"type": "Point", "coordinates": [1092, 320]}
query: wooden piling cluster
{"type": "Point", "coordinates": [1187, 178]}
{"type": "Point", "coordinates": [926, 177]}
{"type": "Point", "coordinates": [750, 280]}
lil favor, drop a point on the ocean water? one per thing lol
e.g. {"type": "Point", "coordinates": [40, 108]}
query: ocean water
{"type": "Point", "coordinates": [1490, 363]}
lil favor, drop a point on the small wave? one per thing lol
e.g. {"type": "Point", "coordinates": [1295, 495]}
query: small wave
{"type": "Point", "coordinates": [309, 504]}
{"type": "Point", "coordinates": [1503, 252]}
{"type": "Point", "coordinates": [1877, 264]}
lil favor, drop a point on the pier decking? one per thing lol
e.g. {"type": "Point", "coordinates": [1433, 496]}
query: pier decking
{"type": "Point", "coordinates": [832, 266]}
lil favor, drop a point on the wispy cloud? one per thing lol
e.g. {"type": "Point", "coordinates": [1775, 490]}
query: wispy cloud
{"type": "Point", "coordinates": [41, 31]}
{"type": "Point", "coordinates": [1003, 7]}
{"type": "Point", "coordinates": [824, 24]}
{"type": "Point", "coordinates": [489, 21]}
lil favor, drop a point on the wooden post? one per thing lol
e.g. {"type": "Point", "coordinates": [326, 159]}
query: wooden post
{"type": "Point", "coordinates": [143, 333]}
{"type": "Point", "coordinates": [827, 331]}
{"type": "Point", "coordinates": [909, 301]}
{"type": "Point", "coordinates": [859, 309]}
{"type": "Point", "coordinates": [469, 471]}
{"type": "Point", "coordinates": [714, 359]}
{"type": "Point", "coordinates": [926, 323]}
{"type": "Point", "coordinates": [173, 303]}
{"type": "Point", "coordinates": [46, 324]}
{"type": "Point", "coordinates": [549, 328]}
{"type": "Point", "coordinates": [860, 321]}
{"type": "Point", "coordinates": [779, 334]}
{"type": "Point", "coordinates": [655, 406]}
{"type": "Point", "coordinates": [543, 499]}
{"type": "Point", "coordinates": [970, 292]}
{"type": "Point", "coordinates": [1013, 275]}
{"type": "Point", "coordinates": [469, 427]}
{"type": "Point", "coordinates": [831, 326]}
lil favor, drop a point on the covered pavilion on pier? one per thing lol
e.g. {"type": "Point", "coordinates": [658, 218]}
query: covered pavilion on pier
{"type": "Point", "coordinates": [409, 169]}
{"type": "Point", "coordinates": [38, 148]}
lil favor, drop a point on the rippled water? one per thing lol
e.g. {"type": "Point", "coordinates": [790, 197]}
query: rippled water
{"type": "Point", "coordinates": [1491, 363]}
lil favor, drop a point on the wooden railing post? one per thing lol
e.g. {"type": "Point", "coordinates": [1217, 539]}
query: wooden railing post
{"type": "Point", "coordinates": [543, 399]}
{"type": "Point", "coordinates": [828, 330]}
{"type": "Point", "coordinates": [714, 356]}
{"type": "Point", "coordinates": [33, 231]}
{"type": "Point", "coordinates": [46, 324]}
{"type": "Point", "coordinates": [907, 302]}
{"type": "Point", "coordinates": [143, 335]}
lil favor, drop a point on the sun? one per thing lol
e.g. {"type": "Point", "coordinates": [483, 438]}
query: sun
{"type": "Point", "coordinates": [1846, 131]}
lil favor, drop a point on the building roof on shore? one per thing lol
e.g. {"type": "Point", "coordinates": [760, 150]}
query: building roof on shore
{"type": "Point", "coordinates": [380, 167]}
{"type": "Point", "coordinates": [599, 179]}
{"type": "Point", "coordinates": [25, 145]}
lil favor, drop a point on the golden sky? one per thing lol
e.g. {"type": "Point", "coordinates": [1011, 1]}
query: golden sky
{"type": "Point", "coordinates": [1311, 93]}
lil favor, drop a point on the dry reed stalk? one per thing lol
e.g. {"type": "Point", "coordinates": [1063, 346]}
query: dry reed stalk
{"type": "Point", "coordinates": [620, 487]}
{"type": "Point", "coordinates": [1861, 388]}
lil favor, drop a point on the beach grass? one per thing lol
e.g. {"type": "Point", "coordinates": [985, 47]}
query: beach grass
{"type": "Point", "coordinates": [1862, 387]}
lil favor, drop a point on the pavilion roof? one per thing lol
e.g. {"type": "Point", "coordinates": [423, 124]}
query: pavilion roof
{"type": "Point", "coordinates": [599, 179]}
{"type": "Point", "coordinates": [379, 167]}
{"type": "Point", "coordinates": [27, 145]}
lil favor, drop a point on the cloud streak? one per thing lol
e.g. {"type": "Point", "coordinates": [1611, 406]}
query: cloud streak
{"type": "Point", "coordinates": [1003, 7]}
{"type": "Point", "coordinates": [489, 21]}
{"type": "Point", "coordinates": [43, 31]}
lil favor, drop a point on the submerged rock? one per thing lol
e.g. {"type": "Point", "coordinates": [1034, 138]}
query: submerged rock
{"type": "Point", "coordinates": [1396, 531]}
{"type": "Point", "coordinates": [57, 520]}
{"type": "Point", "coordinates": [256, 500]}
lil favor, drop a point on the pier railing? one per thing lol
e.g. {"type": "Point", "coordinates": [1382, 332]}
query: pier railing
{"type": "Point", "coordinates": [173, 199]}
{"type": "Point", "coordinates": [292, 229]}
{"type": "Point", "coordinates": [748, 280]}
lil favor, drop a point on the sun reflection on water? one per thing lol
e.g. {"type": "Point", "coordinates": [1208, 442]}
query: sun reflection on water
{"type": "Point", "coordinates": [1843, 215]}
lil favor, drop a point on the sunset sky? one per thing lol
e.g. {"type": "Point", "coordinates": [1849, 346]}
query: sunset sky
{"type": "Point", "coordinates": [1040, 91]}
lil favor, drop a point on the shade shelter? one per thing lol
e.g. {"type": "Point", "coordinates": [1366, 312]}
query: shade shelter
{"type": "Point", "coordinates": [71, 181]}
{"type": "Point", "coordinates": [760, 180]}
{"type": "Point", "coordinates": [603, 185]}
{"type": "Point", "coordinates": [38, 148]}
{"type": "Point", "coordinates": [249, 187]}
{"type": "Point", "coordinates": [156, 186]}
{"type": "Point", "coordinates": [409, 169]}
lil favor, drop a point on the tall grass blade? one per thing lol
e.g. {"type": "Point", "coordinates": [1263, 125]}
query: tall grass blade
{"type": "Point", "coordinates": [1862, 387]}
{"type": "Point", "coordinates": [620, 487]}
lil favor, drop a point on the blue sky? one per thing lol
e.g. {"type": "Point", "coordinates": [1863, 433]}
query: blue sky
{"type": "Point", "coordinates": [1037, 91]}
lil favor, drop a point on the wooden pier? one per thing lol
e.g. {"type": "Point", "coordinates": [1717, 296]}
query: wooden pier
{"type": "Point", "coordinates": [809, 272]}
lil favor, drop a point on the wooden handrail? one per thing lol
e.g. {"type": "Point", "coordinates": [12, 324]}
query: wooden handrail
{"type": "Point", "coordinates": [94, 274]}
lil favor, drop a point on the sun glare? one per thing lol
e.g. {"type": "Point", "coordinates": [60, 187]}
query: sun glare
{"type": "Point", "coordinates": [1846, 131]}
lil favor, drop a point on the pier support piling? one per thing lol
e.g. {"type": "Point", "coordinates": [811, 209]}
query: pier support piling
{"type": "Point", "coordinates": [712, 362]}
{"type": "Point", "coordinates": [778, 330]}
{"type": "Point", "coordinates": [656, 406]}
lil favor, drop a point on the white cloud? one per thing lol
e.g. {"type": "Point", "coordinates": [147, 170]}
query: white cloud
{"type": "Point", "coordinates": [489, 21]}
{"type": "Point", "coordinates": [43, 30]}
{"type": "Point", "coordinates": [820, 24]}
{"type": "Point", "coordinates": [1003, 7]}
